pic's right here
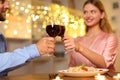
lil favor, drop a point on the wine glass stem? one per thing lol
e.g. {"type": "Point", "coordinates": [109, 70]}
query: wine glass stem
{"type": "Point", "coordinates": [70, 50]}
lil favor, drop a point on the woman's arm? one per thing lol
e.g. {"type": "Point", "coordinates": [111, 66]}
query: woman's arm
{"type": "Point", "coordinates": [105, 60]}
{"type": "Point", "coordinates": [108, 56]}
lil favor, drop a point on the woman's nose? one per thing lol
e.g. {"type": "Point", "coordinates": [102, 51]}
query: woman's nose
{"type": "Point", "coordinates": [88, 14]}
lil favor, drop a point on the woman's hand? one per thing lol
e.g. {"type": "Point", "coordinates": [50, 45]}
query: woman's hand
{"type": "Point", "coordinates": [69, 42]}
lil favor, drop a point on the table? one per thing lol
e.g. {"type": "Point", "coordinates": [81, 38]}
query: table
{"type": "Point", "coordinates": [46, 76]}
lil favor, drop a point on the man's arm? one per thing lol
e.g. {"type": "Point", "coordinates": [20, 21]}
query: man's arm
{"type": "Point", "coordinates": [18, 56]}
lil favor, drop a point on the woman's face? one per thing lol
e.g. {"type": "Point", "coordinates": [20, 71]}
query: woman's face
{"type": "Point", "coordinates": [92, 15]}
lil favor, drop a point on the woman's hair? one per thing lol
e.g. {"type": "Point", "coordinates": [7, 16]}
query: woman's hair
{"type": "Point", "coordinates": [2, 1]}
{"type": "Point", "coordinates": [104, 24]}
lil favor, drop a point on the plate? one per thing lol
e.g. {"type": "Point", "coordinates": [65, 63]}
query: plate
{"type": "Point", "coordinates": [83, 74]}
{"type": "Point", "coordinates": [102, 70]}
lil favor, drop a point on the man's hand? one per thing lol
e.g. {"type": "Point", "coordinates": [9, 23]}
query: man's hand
{"type": "Point", "coordinates": [46, 45]}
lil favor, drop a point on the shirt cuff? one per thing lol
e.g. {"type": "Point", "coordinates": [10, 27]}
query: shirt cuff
{"type": "Point", "coordinates": [33, 50]}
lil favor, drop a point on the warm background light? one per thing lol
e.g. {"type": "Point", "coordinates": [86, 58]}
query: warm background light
{"type": "Point", "coordinates": [28, 19]}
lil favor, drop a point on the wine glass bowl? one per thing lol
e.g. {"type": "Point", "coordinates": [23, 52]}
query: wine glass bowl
{"type": "Point", "coordinates": [55, 30]}
{"type": "Point", "coordinates": [62, 31]}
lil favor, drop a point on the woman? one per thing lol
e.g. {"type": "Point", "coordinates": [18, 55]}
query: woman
{"type": "Point", "coordinates": [98, 48]}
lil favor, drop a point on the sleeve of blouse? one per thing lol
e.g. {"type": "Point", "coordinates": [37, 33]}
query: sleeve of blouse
{"type": "Point", "coordinates": [111, 49]}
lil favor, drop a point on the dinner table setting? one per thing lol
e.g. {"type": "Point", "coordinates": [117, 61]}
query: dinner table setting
{"type": "Point", "coordinates": [66, 75]}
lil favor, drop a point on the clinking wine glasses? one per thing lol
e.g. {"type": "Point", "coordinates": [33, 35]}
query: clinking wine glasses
{"type": "Point", "coordinates": [54, 30]}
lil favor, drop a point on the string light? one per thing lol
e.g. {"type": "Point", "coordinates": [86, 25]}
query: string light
{"type": "Point", "coordinates": [5, 26]}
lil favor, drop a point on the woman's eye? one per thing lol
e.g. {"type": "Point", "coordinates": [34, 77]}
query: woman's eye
{"type": "Point", "coordinates": [85, 12]}
{"type": "Point", "coordinates": [93, 11]}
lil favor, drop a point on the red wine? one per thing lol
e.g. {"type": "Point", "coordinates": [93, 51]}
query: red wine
{"type": "Point", "coordinates": [62, 30]}
{"type": "Point", "coordinates": [55, 30]}
{"type": "Point", "coordinates": [52, 30]}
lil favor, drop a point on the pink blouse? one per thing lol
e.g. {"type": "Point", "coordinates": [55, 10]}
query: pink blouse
{"type": "Point", "coordinates": [104, 44]}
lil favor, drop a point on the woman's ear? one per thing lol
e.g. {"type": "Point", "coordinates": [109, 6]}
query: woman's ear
{"type": "Point", "coordinates": [102, 15]}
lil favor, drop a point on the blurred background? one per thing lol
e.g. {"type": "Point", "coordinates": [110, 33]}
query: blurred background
{"type": "Point", "coordinates": [27, 20]}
